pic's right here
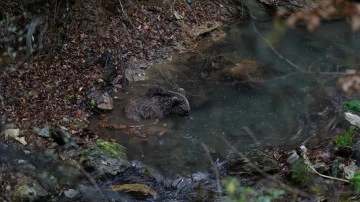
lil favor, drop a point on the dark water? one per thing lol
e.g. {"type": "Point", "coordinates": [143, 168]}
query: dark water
{"type": "Point", "coordinates": [293, 103]}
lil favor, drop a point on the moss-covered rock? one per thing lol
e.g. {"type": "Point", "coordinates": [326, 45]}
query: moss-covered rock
{"type": "Point", "coordinates": [105, 157]}
{"type": "Point", "coordinates": [114, 149]}
{"type": "Point", "coordinates": [29, 190]}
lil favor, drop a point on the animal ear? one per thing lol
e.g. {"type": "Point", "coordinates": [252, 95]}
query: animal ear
{"type": "Point", "coordinates": [181, 91]}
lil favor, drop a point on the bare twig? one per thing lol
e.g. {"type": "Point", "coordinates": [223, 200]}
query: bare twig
{"type": "Point", "coordinates": [87, 175]}
{"type": "Point", "coordinates": [309, 164]}
{"type": "Point", "coordinates": [122, 8]}
{"type": "Point", "coordinates": [215, 170]}
{"type": "Point", "coordinates": [274, 50]}
{"type": "Point", "coordinates": [251, 134]}
{"type": "Point", "coordinates": [139, 126]}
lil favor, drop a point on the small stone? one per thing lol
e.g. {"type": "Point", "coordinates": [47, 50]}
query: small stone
{"type": "Point", "coordinates": [21, 161]}
{"type": "Point", "coordinates": [71, 193]}
{"type": "Point", "coordinates": [352, 118]}
{"type": "Point", "coordinates": [44, 132]}
{"type": "Point", "coordinates": [27, 152]}
{"type": "Point", "coordinates": [303, 149]}
{"type": "Point", "coordinates": [350, 170]}
{"type": "Point", "coordinates": [14, 133]}
{"type": "Point", "coordinates": [293, 157]}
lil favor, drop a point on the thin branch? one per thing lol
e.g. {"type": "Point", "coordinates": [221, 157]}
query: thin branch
{"type": "Point", "coordinates": [122, 8]}
{"type": "Point", "coordinates": [274, 50]}
{"type": "Point", "coordinates": [139, 126]}
{"type": "Point", "coordinates": [87, 175]}
{"type": "Point", "coordinates": [215, 170]}
{"type": "Point", "coordinates": [308, 163]}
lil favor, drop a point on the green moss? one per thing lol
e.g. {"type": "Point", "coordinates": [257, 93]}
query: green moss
{"type": "Point", "coordinates": [279, 30]}
{"type": "Point", "coordinates": [345, 139]}
{"type": "Point", "coordinates": [300, 173]}
{"type": "Point", "coordinates": [236, 192]}
{"type": "Point", "coordinates": [113, 149]}
{"type": "Point", "coordinates": [92, 104]}
{"type": "Point", "coordinates": [353, 105]}
{"type": "Point", "coordinates": [355, 181]}
{"type": "Point", "coordinates": [23, 193]}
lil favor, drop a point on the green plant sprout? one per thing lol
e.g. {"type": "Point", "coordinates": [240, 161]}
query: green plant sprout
{"type": "Point", "coordinates": [345, 139]}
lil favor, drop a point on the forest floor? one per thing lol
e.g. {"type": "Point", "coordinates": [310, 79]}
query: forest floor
{"type": "Point", "coordinates": [91, 51]}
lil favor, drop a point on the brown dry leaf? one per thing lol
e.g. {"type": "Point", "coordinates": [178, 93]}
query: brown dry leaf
{"type": "Point", "coordinates": [313, 22]}
{"type": "Point", "coordinates": [118, 126]}
{"type": "Point", "coordinates": [350, 83]}
{"type": "Point", "coordinates": [134, 131]}
{"type": "Point", "coordinates": [355, 18]}
{"type": "Point", "coordinates": [82, 115]}
{"type": "Point", "coordinates": [138, 189]}
{"type": "Point", "coordinates": [104, 124]}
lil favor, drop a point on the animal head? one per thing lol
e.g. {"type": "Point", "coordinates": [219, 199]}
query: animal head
{"type": "Point", "coordinates": [178, 102]}
{"type": "Point", "coordinates": [181, 105]}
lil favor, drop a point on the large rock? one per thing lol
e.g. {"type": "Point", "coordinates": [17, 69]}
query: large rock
{"type": "Point", "coordinates": [158, 103]}
{"type": "Point", "coordinates": [98, 99]}
{"type": "Point", "coordinates": [28, 189]}
{"type": "Point", "coordinates": [105, 158]}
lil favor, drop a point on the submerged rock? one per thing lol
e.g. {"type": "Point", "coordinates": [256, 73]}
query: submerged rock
{"type": "Point", "coordinates": [135, 71]}
{"type": "Point", "coordinates": [254, 159]}
{"type": "Point", "coordinates": [246, 70]}
{"type": "Point", "coordinates": [140, 190]}
{"type": "Point", "coordinates": [158, 103]}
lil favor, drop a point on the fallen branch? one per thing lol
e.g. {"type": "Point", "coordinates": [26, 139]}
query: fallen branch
{"type": "Point", "coordinates": [309, 164]}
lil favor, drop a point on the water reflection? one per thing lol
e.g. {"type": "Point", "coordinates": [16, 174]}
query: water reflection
{"type": "Point", "coordinates": [291, 104]}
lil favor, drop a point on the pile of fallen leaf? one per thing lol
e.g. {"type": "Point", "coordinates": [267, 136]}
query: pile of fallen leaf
{"type": "Point", "coordinates": [50, 87]}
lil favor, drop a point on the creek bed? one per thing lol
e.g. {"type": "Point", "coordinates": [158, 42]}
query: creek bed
{"type": "Point", "coordinates": [292, 104]}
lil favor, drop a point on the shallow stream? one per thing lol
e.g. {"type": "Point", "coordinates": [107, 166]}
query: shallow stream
{"type": "Point", "coordinates": [290, 104]}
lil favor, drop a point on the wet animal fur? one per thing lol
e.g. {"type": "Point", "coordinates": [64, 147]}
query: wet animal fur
{"type": "Point", "coordinates": [158, 103]}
